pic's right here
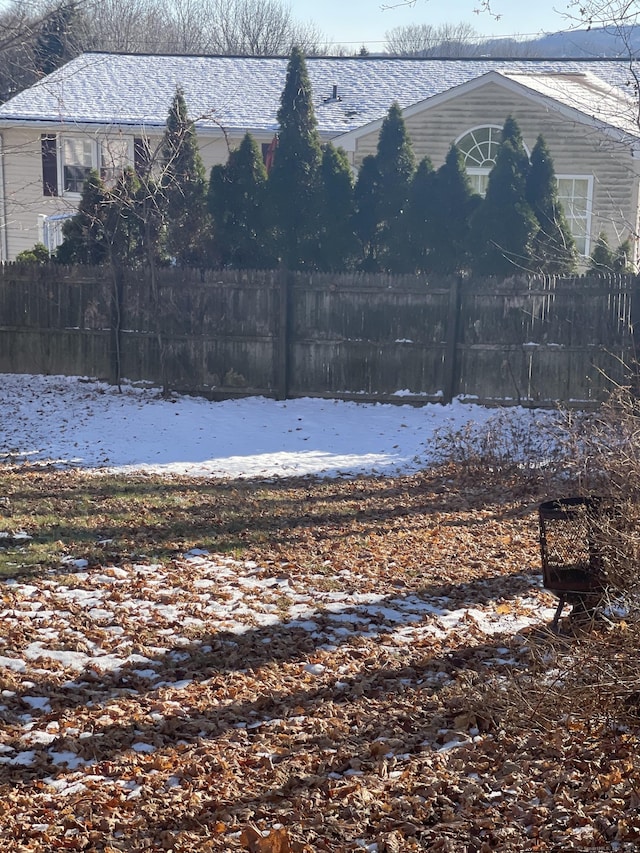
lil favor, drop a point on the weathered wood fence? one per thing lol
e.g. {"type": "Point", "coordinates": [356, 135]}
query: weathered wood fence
{"type": "Point", "coordinates": [533, 341]}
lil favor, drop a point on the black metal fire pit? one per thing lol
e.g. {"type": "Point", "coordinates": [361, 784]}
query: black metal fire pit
{"type": "Point", "coordinates": [572, 564]}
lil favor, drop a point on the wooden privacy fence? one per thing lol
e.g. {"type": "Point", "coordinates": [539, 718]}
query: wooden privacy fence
{"type": "Point", "coordinates": [527, 340]}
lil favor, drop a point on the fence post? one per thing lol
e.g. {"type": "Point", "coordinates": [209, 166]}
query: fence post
{"type": "Point", "coordinates": [117, 289]}
{"type": "Point", "coordinates": [283, 342]}
{"type": "Point", "coordinates": [451, 352]}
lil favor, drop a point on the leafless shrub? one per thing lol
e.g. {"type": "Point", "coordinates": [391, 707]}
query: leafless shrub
{"type": "Point", "coordinates": [568, 453]}
{"type": "Point", "coordinates": [604, 461]}
{"type": "Point", "coordinates": [528, 446]}
{"type": "Point", "coordinates": [587, 677]}
{"type": "Point", "coordinates": [605, 448]}
{"type": "Point", "coordinates": [596, 680]}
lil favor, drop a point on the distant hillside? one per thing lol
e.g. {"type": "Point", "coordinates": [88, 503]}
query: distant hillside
{"type": "Point", "coordinates": [576, 44]}
{"type": "Point", "coordinates": [585, 43]}
{"type": "Point", "coordinates": [582, 44]}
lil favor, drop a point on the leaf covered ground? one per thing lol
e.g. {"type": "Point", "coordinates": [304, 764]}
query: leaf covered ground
{"type": "Point", "coordinates": [295, 666]}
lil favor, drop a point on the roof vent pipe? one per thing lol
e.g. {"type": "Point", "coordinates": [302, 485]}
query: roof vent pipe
{"type": "Point", "coordinates": [334, 95]}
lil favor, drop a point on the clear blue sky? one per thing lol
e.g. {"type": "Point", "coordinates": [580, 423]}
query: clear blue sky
{"type": "Point", "coordinates": [366, 21]}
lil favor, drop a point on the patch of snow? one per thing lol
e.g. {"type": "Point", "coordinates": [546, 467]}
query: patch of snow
{"type": "Point", "coordinates": [38, 703]}
{"type": "Point", "coordinates": [137, 430]}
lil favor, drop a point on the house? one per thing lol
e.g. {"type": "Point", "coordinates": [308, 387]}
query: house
{"type": "Point", "coordinates": [106, 110]}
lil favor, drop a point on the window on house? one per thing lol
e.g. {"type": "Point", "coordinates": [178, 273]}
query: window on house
{"type": "Point", "coordinates": [50, 230]}
{"type": "Point", "coordinates": [575, 193]}
{"type": "Point", "coordinates": [479, 148]}
{"type": "Point", "coordinates": [67, 160]}
{"type": "Point", "coordinates": [115, 155]}
{"type": "Point", "coordinates": [77, 159]}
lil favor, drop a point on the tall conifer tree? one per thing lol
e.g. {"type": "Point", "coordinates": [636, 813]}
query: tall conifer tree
{"type": "Point", "coordinates": [511, 133]}
{"type": "Point", "coordinates": [396, 166]}
{"type": "Point", "coordinates": [454, 202]}
{"type": "Point", "coordinates": [421, 217]}
{"type": "Point", "coordinates": [553, 249]}
{"type": "Point", "coordinates": [504, 225]}
{"type": "Point", "coordinates": [366, 214]}
{"type": "Point", "coordinates": [337, 245]}
{"type": "Point", "coordinates": [294, 180]}
{"type": "Point", "coordinates": [237, 195]}
{"type": "Point", "coordinates": [184, 184]}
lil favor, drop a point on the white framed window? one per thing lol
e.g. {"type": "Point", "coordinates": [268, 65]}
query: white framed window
{"type": "Point", "coordinates": [50, 229]}
{"type": "Point", "coordinates": [116, 153]}
{"type": "Point", "coordinates": [479, 147]}
{"type": "Point", "coordinates": [78, 155]}
{"type": "Point", "coordinates": [575, 193]}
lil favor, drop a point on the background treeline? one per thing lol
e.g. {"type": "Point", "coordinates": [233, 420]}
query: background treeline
{"type": "Point", "coordinates": [307, 212]}
{"type": "Point", "coordinates": [38, 36]}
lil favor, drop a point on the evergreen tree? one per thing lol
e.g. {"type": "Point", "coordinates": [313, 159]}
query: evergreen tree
{"type": "Point", "coordinates": [123, 221]}
{"type": "Point", "coordinates": [39, 254]}
{"type": "Point", "coordinates": [602, 258]}
{"type": "Point", "coordinates": [504, 224]}
{"type": "Point", "coordinates": [221, 204]}
{"type": "Point", "coordinates": [396, 166]}
{"type": "Point", "coordinates": [421, 217]}
{"type": "Point", "coordinates": [366, 214]}
{"type": "Point", "coordinates": [605, 260]}
{"type": "Point", "coordinates": [337, 245]}
{"type": "Point", "coordinates": [85, 237]}
{"type": "Point", "coordinates": [623, 260]}
{"type": "Point", "coordinates": [184, 184]}
{"type": "Point", "coordinates": [237, 193]}
{"type": "Point", "coordinates": [553, 249]}
{"type": "Point", "coordinates": [454, 203]}
{"type": "Point", "coordinates": [148, 210]}
{"type": "Point", "coordinates": [294, 180]}
{"type": "Point", "coordinates": [107, 226]}
{"type": "Point", "coordinates": [511, 133]}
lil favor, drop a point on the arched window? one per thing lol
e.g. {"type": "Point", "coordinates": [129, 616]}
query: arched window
{"type": "Point", "coordinates": [479, 148]}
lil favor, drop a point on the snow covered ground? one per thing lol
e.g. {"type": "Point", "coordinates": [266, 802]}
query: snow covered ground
{"type": "Point", "coordinates": [72, 421]}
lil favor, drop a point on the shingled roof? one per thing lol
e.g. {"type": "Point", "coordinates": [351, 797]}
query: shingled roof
{"type": "Point", "coordinates": [243, 93]}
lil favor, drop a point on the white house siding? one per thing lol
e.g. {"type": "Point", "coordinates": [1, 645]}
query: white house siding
{"type": "Point", "coordinates": [25, 202]}
{"type": "Point", "coordinates": [576, 148]}
{"type": "Point", "coordinates": [215, 149]}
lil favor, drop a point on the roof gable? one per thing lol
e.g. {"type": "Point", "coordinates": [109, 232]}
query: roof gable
{"type": "Point", "coordinates": [578, 95]}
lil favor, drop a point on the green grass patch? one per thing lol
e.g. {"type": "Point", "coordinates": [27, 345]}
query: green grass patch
{"type": "Point", "coordinates": [109, 520]}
